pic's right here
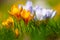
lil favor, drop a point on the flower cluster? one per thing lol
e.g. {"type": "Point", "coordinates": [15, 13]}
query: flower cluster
{"type": "Point", "coordinates": [20, 12]}
{"type": "Point", "coordinates": [38, 12]}
{"type": "Point", "coordinates": [27, 13]}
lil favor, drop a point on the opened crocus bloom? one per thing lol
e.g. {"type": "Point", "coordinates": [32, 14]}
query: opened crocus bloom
{"type": "Point", "coordinates": [15, 11]}
{"type": "Point", "coordinates": [26, 16]}
{"type": "Point", "coordinates": [8, 23]}
{"type": "Point", "coordinates": [42, 13]}
{"type": "Point", "coordinates": [26, 11]}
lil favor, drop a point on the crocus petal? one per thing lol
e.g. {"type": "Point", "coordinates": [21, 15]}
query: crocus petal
{"type": "Point", "coordinates": [40, 13]}
{"type": "Point", "coordinates": [53, 14]}
{"type": "Point", "coordinates": [19, 6]}
{"type": "Point", "coordinates": [48, 13]}
{"type": "Point", "coordinates": [29, 6]}
{"type": "Point", "coordinates": [14, 9]}
{"type": "Point", "coordinates": [44, 11]}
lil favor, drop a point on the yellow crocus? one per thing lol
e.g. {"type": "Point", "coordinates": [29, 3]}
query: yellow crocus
{"type": "Point", "coordinates": [8, 23]}
{"type": "Point", "coordinates": [15, 11]}
{"type": "Point", "coordinates": [4, 23]}
{"type": "Point", "coordinates": [16, 32]}
{"type": "Point", "coordinates": [25, 14]}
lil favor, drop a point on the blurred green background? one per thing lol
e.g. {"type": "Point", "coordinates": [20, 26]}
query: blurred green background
{"type": "Point", "coordinates": [49, 31]}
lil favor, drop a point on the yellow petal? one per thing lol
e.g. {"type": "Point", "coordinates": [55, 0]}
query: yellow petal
{"type": "Point", "coordinates": [4, 23]}
{"type": "Point", "coordinates": [25, 14]}
{"type": "Point", "coordinates": [14, 9]}
{"type": "Point", "coordinates": [10, 19]}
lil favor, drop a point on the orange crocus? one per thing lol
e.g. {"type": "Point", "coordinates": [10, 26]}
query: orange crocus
{"type": "Point", "coordinates": [15, 11]}
{"type": "Point", "coordinates": [26, 16]}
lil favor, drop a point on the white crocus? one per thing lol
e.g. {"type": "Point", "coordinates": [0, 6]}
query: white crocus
{"type": "Point", "coordinates": [38, 12]}
{"type": "Point", "coordinates": [29, 6]}
{"type": "Point", "coordinates": [42, 13]}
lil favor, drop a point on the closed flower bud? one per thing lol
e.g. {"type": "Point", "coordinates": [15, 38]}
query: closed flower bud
{"type": "Point", "coordinates": [16, 32]}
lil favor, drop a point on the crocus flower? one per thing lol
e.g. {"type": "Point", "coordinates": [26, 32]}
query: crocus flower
{"type": "Point", "coordinates": [20, 7]}
{"type": "Point", "coordinates": [16, 32]}
{"type": "Point", "coordinates": [26, 16]}
{"type": "Point", "coordinates": [8, 23]}
{"type": "Point", "coordinates": [38, 13]}
{"type": "Point", "coordinates": [15, 11]}
{"type": "Point", "coordinates": [42, 13]}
